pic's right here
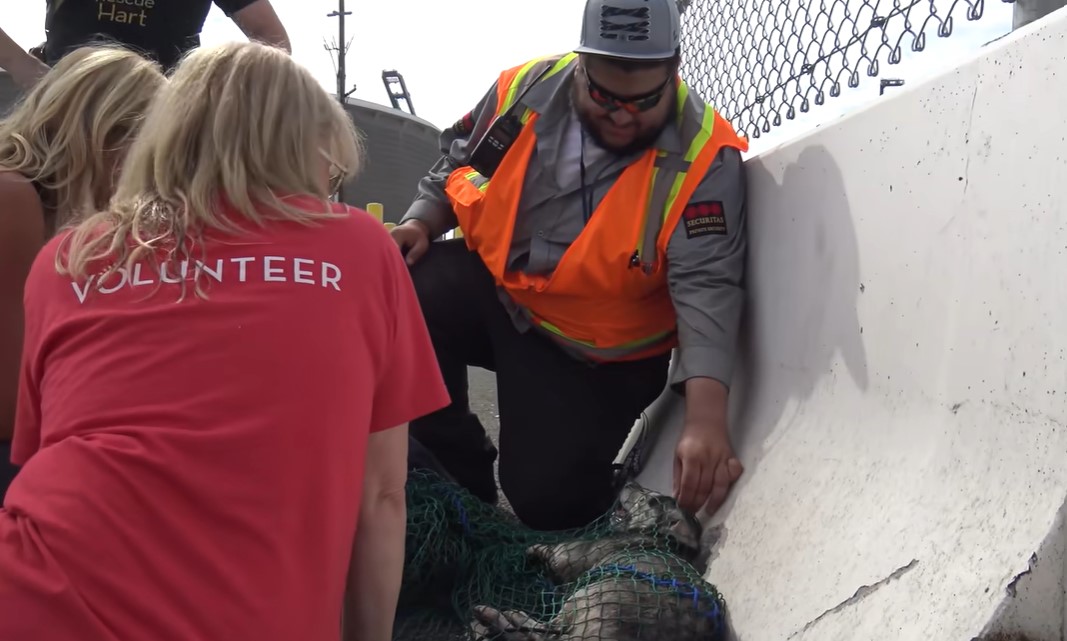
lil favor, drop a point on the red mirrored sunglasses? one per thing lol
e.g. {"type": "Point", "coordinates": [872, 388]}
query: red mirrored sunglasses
{"type": "Point", "coordinates": [633, 104]}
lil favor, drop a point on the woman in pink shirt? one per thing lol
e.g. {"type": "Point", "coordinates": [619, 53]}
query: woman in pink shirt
{"type": "Point", "coordinates": [59, 149]}
{"type": "Point", "coordinates": [217, 377]}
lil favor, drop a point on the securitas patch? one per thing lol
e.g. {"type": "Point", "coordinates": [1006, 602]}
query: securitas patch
{"type": "Point", "coordinates": [464, 125]}
{"type": "Point", "coordinates": [704, 218]}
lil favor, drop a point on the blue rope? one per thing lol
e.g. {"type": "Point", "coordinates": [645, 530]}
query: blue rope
{"type": "Point", "coordinates": [457, 502]}
{"type": "Point", "coordinates": [683, 589]}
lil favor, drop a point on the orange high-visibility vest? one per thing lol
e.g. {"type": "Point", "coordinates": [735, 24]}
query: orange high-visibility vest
{"type": "Point", "coordinates": [596, 299]}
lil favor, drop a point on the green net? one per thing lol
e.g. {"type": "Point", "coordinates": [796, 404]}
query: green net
{"type": "Point", "coordinates": [474, 572]}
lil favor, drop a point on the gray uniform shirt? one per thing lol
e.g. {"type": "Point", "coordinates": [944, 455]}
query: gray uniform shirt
{"type": "Point", "coordinates": [704, 272]}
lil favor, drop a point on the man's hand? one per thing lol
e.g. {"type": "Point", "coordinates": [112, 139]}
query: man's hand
{"type": "Point", "coordinates": [705, 467]}
{"type": "Point", "coordinates": [259, 22]}
{"type": "Point", "coordinates": [26, 71]}
{"type": "Point", "coordinates": [413, 237]}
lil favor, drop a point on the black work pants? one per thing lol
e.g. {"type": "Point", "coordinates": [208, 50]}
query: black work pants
{"type": "Point", "coordinates": [562, 420]}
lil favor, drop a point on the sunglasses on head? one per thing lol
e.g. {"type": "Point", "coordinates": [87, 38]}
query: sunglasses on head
{"type": "Point", "coordinates": [633, 104]}
{"type": "Point", "coordinates": [337, 173]}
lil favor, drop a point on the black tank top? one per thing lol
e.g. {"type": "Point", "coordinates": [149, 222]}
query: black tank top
{"type": "Point", "coordinates": [163, 30]}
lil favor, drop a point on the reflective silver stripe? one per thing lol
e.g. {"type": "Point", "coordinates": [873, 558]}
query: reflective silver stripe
{"type": "Point", "coordinates": [669, 167]}
{"type": "Point", "coordinates": [609, 353]}
{"type": "Point", "coordinates": [478, 180]}
{"type": "Point", "coordinates": [598, 353]}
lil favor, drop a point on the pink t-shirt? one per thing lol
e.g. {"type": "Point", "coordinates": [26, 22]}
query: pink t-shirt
{"type": "Point", "coordinates": [193, 470]}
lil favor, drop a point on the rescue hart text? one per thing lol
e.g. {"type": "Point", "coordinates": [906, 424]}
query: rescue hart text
{"type": "Point", "coordinates": [133, 12]}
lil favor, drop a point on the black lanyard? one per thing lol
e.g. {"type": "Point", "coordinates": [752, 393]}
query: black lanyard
{"type": "Point", "coordinates": [587, 200]}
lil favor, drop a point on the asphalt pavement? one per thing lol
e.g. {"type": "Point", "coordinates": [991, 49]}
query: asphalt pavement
{"type": "Point", "coordinates": [482, 391]}
{"type": "Point", "coordinates": [482, 384]}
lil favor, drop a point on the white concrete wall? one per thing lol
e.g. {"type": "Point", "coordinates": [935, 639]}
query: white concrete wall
{"type": "Point", "coordinates": [902, 405]}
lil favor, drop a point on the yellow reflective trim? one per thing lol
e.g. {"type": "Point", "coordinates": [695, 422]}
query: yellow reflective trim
{"type": "Point", "coordinates": [702, 138]}
{"type": "Point", "coordinates": [471, 176]}
{"type": "Point", "coordinates": [513, 89]}
{"type": "Point", "coordinates": [683, 96]}
{"type": "Point", "coordinates": [640, 342]}
{"type": "Point", "coordinates": [560, 65]}
{"type": "Point", "coordinates": [707, 126]}
{"type": "Point", "coordinates": [555, 330]}
{"type": "Point", "coordinates": [644, 341]}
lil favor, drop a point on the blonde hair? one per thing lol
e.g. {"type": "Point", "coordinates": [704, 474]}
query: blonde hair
{"type": "Point", "coordinates": [239, 127]}
{"type": "Point", "coordinates": [62, 133]}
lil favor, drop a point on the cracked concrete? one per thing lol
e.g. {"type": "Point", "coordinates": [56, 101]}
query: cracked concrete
{"type": "Point", "coordinates": [1010, 589]}
{"type": "Point", "coordinates": [862, 592]}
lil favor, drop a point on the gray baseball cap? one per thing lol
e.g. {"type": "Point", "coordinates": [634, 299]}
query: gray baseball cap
{"type": "Point", "coordinates": [636, 29]}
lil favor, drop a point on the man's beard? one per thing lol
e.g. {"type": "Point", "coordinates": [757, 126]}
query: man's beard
{"type": "Point", "coordinates": [642, 142]}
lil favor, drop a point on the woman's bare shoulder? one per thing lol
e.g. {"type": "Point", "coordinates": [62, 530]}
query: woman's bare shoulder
{"type": "Point", "coordinates": [22, 225]}
{"type": "Point", "coordinates": [13, 179]}
{"type": "Point", "coordinates": [18, 192]}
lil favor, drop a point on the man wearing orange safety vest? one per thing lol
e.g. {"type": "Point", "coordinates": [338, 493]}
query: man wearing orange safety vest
{"type": "Point", "coordinates": [601, 205]}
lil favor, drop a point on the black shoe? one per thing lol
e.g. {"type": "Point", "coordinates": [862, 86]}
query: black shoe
{"type": "Point", "coordinates": [421, 458]}
{"type": "Point", "coordinates": [478, 475]}
{"type": "Point", "coordinates": [472, 471]}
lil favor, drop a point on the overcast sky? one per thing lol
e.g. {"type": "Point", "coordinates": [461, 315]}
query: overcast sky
{"type": "Point", "coordinates": [450, 52]}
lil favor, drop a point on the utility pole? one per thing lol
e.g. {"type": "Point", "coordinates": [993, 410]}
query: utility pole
{"type": "Point", "coordinates": [342, 52]}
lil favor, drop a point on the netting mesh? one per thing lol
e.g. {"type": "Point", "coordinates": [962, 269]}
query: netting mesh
{"type": "Point", "coordinates": [759, 61]}
{"type": "Point", "coordinates": [472, 571]}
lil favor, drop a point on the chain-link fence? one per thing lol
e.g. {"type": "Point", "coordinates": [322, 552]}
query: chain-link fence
{"type": "Point", "coordinates": [762, 62]}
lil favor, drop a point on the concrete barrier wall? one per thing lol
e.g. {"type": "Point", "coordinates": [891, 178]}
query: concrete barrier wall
{"type": "Point", "coordinates": [901, 408]}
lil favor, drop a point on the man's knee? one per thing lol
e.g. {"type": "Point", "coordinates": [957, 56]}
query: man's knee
{"type": "Point", "coordinates": [430, 275]}
{"type": "Point", "coordinates": [545, 497]}
{"type": "Point", "coordinates": [444, 263]}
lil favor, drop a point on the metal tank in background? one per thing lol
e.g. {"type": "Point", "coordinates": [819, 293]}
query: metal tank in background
{"type": "Point", "coordinates": [400, 148]}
